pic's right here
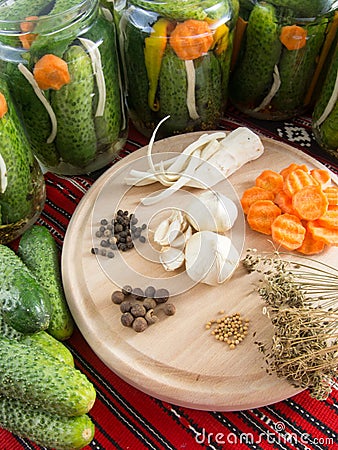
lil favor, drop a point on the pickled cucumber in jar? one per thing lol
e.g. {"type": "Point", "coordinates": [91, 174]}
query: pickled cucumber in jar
{"type": "Point", "coordinates": [61, 63]}
{"type": "Point", "coordinates": [176, 57]}
{"type": "Point", "coordinates": [325, 113]}
{"type": "Point", "coordinates": [281, 54]}
{"type": "Point", "coordinates": [22, 188]}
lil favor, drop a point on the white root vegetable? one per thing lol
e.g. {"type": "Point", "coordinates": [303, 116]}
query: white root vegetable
{"type": "Point", "coordinates": [210, 258]}
{"type": "Point", "coordinates": [273, 91]}
{"type": "Point", "coordinates": [202, 164]}
{"type": "Point", "coordinates": [191, 100]}
{"type": "Point", "coordinates": [330, 105]}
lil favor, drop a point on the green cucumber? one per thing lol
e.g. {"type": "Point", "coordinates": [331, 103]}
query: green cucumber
{"type": "Point", "coordinates": [173, 86]}
{"type": "Point", "coordinates": [174, 9]}
{"type": "Point", "coordinates": [208, 89]}
{"type": "Point", "coordinates": [44, 341]}
{"type": "Point", "coordinates": [38, 250]}
{"type": "Point", "coordinates": [48, 430]}
{"type": "Point", "coordinates": [41, 339]}
{"type": "Point", "coordinates": [109, 125]}
{"type": "Point", "coordinates": [253, 76]}
{"type": "Point", "coordinates": [25, 305]}
{"type": "Point", "coordinates": [31, 374]}
{"type": "Point", "coordinates": [132, 43]}
{"type": "Point", "coordinates": [36, 118]}
{"type": "Point", "coordinates": [296, 69]}
{"type": "Point", "coordinates": [17, 199]}
{"type": "Point", "coordinates": [72, 104]}
{"type": "Point", "coordinates": [305, 8]}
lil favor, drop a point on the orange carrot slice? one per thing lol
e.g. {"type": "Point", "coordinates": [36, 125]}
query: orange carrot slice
{"type": "Point", "coordinates": [253, 194]}
{"type": "Point", "coordinates": [328, 235]}
{"type": "Point", "coordinates": [191, 39]}
{"type": "Point", "coordinates": [297, 180]}
{"type": "Point", "coordinates": [321, 175]}
{"type": "Point", "coordinates": [51, 72]}
{"type": "Point", "coordinates": [310, 203]}
{"type": "Point", "coordinates": [293, 166]}
{"type": "Point", "coordinates": [261, 214]}
{"type": "Point", "coordinates": [284, 202]}
{"type": "Point", "coordinates": [293, 37]}
{"type": "Point", "coordinates": [287, 230]}
{"type": "Point", "coordinates": [331, 193]}
{"type": "Point", "coordinates": [27, 26]}
{"type": "Point", "coordinates": [329, 219]}
{"type": "Point", "coordinates": [3, 105]}
{"type": "Point", "coordinates": [270, 180]}
{"type": "Point", "coordinates": [310, 245]}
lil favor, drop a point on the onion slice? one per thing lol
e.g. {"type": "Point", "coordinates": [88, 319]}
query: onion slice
{"type": "Point", "coordinates": [41, 96]}
{"type": "Point", "coordinates": [191, 101]}
{"type": "Point", "coordinates": [3, 174]}
{"type": "Point", "coordinates": [330, 105]}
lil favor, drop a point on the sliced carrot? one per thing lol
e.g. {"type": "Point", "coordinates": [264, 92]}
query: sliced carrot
{"type": "Point", "coordinates": [287, 230]}
{"type": "Point", "coordinates": [28, 24]}
{"type": "Point", "coordinates": [284, 202]}
{"type": "Point", "coordinates": [51, 72]}
{"type": "Point", "coordinates": [293, 166]}
{"type": "Point", "coordinates": [293, 37]}
{"type": "Point", "coordinates": [321, 175]}
{"type": "Point", "coordinates": [310, 203]}
{"type": "Point", "coordinates": [261, 215]}
{"type": "Point", "coordinates": [310, 245]}
{"type": "Point", "coordinates": [253, 194]}
{"type": "Point", "coordinates": [270, 180]}
{"type": "Point", "coordinates": [332, 208]}
{"type": "Point", "coordinates": [3, 105]}
{"type": "Point", "coordinates": [328, 235]}
{"type": "Point", "coordinates": [329, 219]}
{"type": "Point", "coordinates": [191, 39]}
{"type": "Point", "coordinates": [297, 180]}
{"type": "Point", "coordinates": [331, 193]}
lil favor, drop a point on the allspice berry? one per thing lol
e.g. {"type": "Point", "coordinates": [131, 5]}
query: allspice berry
{"type": "Point", "coordinates": [117, 297]}
{"type": "Point", "coordinates": [140, 324]}
{"type": "Point", "coordinates": [169, 309]}
{"type": "Point", "coordinates": [127, 319]}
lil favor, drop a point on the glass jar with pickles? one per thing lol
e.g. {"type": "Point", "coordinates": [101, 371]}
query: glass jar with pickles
{"type": "Point", "coordinates": [22, 186]}
{"type": "Point", "coordinates": [60, 59]}
{"type": "Point", "coordinates": [325, 113]}
{"type": "Point", "coordinates": [282, 47]}
{"type": "Point", "coordinates": [176, 57]}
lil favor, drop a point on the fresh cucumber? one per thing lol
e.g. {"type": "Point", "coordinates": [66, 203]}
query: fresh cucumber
{"type": "Point", "coordinates": [48, 430]}
{"type": "Point", "coordinates": [253, 75]}
{"type": "Point", "coordinates": [50, 345]}
{"type": "Point", "coordinates": [28, 373]}
{"type": "Point", "coordinates": [72, 104]}
{"type": "Point", "coordinates": [38, 250]}
{"type": "Point", "coordinates": [25, 305]}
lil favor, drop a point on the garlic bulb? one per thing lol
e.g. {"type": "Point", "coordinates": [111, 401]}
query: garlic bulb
{"type": "Point", "coordinates": [210, 258]}
{"type": "Point", "coordinates": [211, 211]}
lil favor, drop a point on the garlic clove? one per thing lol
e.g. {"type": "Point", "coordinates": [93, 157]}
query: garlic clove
{"type": "Point", "coordinates": [210, 258]}
{"type": "Point", "coordinates": [171, 258]}
{"type": "Point", "coordinates": [161, 232]}
{"type": "Point", "coordinates": [181, 238]}
{"type": "Point", "coordinates": [211, 211]}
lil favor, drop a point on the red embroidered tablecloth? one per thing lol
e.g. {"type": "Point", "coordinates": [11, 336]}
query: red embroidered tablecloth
{"type": "Point", "coordinates": [126, 418]}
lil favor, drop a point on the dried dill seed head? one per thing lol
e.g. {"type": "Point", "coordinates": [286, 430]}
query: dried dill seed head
{"type": "Point", "coordinates": [301, 301]}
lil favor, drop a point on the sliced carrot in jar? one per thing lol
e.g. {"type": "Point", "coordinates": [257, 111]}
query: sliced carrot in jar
{"type": "Point", "coordinates": [191, 39]}
{"type": "Point", "coordinates": [261, 214]}
{"type": "Point", "coordinates": [51, 72]}
{"type": "Point", "coordinates": [293, 37]}
{"type": "Point", "coordinates": [287, 231]}
{"type": "Point", "coordinates": [3, 105]}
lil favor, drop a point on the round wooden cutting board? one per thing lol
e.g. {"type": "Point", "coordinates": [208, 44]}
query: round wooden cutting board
{"type": "Point", "coordinates": [176, 359]}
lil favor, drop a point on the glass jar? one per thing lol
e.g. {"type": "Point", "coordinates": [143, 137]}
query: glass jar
{"type": "Point", "coordinates": [282, 46]}
{"type": "Point", "coordinates": [61, 62]}
{"type": "Point", "coordinates": [22, 186]}
{"type": "Point", "coordinates": [325, 113]}
{"type": "Point", "coordinates": [176, 59]}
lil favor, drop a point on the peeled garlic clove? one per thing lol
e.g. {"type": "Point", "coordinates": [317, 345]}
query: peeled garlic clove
{"type": "Point", "coordinates": [181, 239]}
{"type": "Point", "coordinates": [171, 258]}
{"type": "Point", "coordinates": [212, 211]}
{"type": "Point", "coordinates": [161, 232]}
{"type": "Point", "coordinates": [210, 258]}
